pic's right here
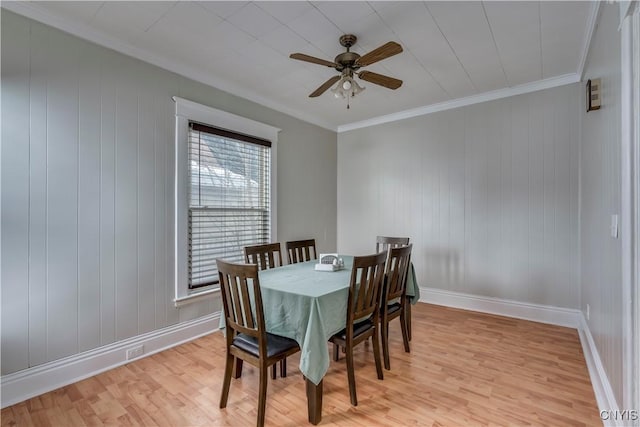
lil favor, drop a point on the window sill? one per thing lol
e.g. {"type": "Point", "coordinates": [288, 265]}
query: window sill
{"type": "Point", "coordinates": [195, 297]}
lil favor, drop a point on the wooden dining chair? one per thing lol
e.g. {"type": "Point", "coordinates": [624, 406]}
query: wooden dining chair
{"type": "Point", "coordinates": [394, 301]}
{"type": "Point", "coordinates": [301, 250]}
{"type": "Point", "coordinates": [264, 256]}
{"type": "Point", "coordinates": [384, 243]}
{"type": "Point", "coordinates": [247, 339]}
{"type": "Point", "coordinates": [362, 314]}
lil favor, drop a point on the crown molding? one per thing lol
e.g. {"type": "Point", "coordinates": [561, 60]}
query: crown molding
{"type": "Point", "coordinates": [461, 102]}
{"type": "Point", "coordinates": [32, 11]}
{"type": "Point", "coordinates": [592, 24]}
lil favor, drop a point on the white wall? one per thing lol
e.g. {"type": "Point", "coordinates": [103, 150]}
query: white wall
{"type": "Point", "coordinates": [488, 194]}
{"type": "Point", "coordinates": [87, 192]}
{"type": "Point", "coordinates": [600, 181]}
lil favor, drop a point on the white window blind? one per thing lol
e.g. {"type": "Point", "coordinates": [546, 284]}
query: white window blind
{"type": "Point", "coordinates": [229, 193]}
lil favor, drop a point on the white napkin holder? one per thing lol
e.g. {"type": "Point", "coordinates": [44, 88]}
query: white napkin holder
{"type": "Point", "coordinates": [329, 262]}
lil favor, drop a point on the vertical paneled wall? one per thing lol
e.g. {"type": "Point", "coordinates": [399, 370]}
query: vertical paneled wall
{"type": "Point", "coordinates": [488, 194]}
{"type": "Point", "coordinates": [86, 177]}
{"type": "Point", "coordinates": [87, 192]}
{"type": "Point", "coordinates": [600, 178]}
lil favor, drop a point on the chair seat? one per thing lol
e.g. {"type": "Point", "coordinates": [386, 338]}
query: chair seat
{"type": "Point", "coordinates": [276, 344]}
{"type": "Point", "coordinates": [358, 329]}
{"type": "Point", "coordinates": [392, 308]}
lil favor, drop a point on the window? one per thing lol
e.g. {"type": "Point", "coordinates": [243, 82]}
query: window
{"type": "Point", "coordinates": [224, 193]}
{"type": "Point", "coordinates": [228, 198]}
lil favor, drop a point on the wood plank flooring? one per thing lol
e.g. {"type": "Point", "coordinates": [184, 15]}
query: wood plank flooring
{"type": "Point", "coordinates": [464, 369]}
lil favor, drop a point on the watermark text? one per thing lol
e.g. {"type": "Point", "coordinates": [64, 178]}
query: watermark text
{"type": "Point", "coordinates": [620, 414]}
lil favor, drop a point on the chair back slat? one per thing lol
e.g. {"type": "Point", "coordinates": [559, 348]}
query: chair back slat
{"type": "Point", "coordinates": [396, 272]}
{"type": "Point", "coordinates": [264, 256]}
{"type": "Point", "coordinates": [237, 310]}
{"type": "Point", "coordinates": [239, 285]}
{"type": "Point", "coordinates": [384, 243]}
{"type": "Point", "coordinates": [249, 320]}
{"type": "Point", "coordinates": [365, 286]}
{"type": "Point", "coordinates": [301, 250]}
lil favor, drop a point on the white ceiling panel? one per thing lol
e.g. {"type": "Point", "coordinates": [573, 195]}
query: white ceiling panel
{"type": "Point", "coordinates": [178, 34]}
{"type": "Point", "coordinates": [188, 19]}
{"type": "Point", "coordinates": [516, 29]}
{"type": "Point", "coordinates": [467, 31]}
{"type": "Point", "coordinates": [415, 78]}
{"type": "Point", "coordinates": [260, 56]}
{"type": "Point", "coordinates": [228, 35]}
{"type": "Point", "coordinates": [402, 16]}
{"type": "Point", "coordinates": [78, 11]}
{"type": "Point", "coordinates": [429, 46]}
{"type": "Point", "coordinates": [563, 33]}
{"type": "Point", "coordinates": [284, 40]}
{"type": "Point", "coordinates": [223, 9]}
{"type": "Point", "coordinates": [343, 13]}
{"type": "Point", "coordinates": [451, 49]}
{"type": "Point", "coordinates": [234, 68]}
{"type": "Point", "coordinates": [285, 11]}
{"type": "Point", "coordinates": [313, 26]}
{"type": "Point", "coordinates": [284, 82]}
{"type": "Point", "coordinates": [253, 20]}
{"type": "Point", "coordinates": [129, 19]}
{"type": "Point", "coordinates": [380, 5]}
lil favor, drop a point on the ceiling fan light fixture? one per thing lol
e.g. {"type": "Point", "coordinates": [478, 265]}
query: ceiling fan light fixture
{"type": "Point", "coordinates": [356, 88]}
{"type": "Point", "coordinates": [338, 92]}
{"type": "Point", "coordinates": [347, 86]}
{"type": "Point", "coordinates": [342, 89]}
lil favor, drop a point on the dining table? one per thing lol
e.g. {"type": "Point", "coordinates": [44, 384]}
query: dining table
{"type": "Point", "coordinates": [310, 306]}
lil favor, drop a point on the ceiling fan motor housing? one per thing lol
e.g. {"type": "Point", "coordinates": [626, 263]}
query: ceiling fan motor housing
{"type": "Point", "coordinates": [346, 60]}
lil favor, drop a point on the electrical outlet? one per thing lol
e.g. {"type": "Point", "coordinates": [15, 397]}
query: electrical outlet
{"type": "Point", "coordinates": [588, 311]}
{"type": "Point", "coordinates": [135, 352]}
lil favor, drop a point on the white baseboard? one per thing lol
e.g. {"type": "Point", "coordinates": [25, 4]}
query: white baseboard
{"type": "Point", "coordinates": [25, 384]}
{"type": "Point", "coordinates": [536, 312]}
{"type": "Point", "coordinates": [599, 379]}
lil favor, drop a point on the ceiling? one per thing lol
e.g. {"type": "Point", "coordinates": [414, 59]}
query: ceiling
{"type": "Point", "coordinates": [452, 50]}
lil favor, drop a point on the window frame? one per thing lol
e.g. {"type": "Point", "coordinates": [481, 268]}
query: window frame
{"type": "Point", "coordinates": [188, 111]}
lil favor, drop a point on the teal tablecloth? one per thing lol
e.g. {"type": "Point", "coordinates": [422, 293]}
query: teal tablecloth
{"type": "Point", "coordinates": [310, 306]}
{"type": "Point", "coordinates": [413, 290]}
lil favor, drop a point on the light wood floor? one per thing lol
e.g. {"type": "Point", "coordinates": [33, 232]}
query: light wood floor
{"type": "Point", "coordinates": [464, 369]}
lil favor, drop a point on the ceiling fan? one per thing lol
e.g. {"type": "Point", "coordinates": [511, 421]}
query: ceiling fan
{"type": "Point", "coordinates": [348, 63]}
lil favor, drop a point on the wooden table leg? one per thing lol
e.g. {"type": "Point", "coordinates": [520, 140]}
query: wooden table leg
{"type": "Point", "coordinates": [237, 371]}
{"type": "Point", "coordinates": [314, 401]}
